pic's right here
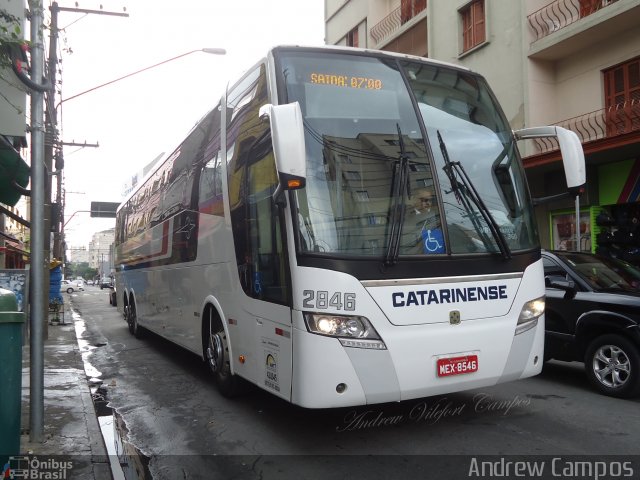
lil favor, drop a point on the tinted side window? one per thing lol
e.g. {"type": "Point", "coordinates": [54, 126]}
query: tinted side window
{"type": "Point", "coordinates": [210, 172]}
{"type": "Point", "coordinates": [257, 231]}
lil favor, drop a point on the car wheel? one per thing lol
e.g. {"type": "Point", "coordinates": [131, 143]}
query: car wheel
{"type": "Point", "coordinates": [69, 290]}
{"type": "Point", "coordinates": [613, 366]}
{"type": "Point", "coordinates": [216, 354]}
{"type": "Point", "coordinates": [134, 327]}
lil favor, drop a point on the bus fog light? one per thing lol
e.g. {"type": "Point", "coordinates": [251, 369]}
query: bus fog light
{"type": "Point", "coordinates": [341, 387]}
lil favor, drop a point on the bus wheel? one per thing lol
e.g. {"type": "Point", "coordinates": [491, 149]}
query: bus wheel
{"type": "Point", "coordinates": [216, 354]}
{"type": "Point", "coordinates": [135, 329]}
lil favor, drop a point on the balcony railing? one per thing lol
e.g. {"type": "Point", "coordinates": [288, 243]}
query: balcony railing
{"type": "Point", "coordinates": [398, 17]}
{"type": "Point", "coordinates": [560, 13]}
{"type": "Point", "coordinates": [604, 123]}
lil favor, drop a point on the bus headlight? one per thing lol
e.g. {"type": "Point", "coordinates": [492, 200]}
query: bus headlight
{"type": "Point", "coordinates": [351, 330]}
{"type": "Point", "coordinates": [531, 311]}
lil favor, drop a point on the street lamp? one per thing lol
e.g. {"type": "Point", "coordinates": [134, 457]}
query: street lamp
{"type": "Point", "coordinates": [212, 51]}
{"type": "Point", "coordinates": [209, 50]}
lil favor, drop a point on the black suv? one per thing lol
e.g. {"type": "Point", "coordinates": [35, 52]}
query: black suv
{"type": "Point", "coordinates": [593, 316]}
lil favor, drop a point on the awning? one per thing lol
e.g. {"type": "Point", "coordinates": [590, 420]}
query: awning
{"type": "Point", "coordinates": [12, 244]}
{"type": "Point", "coordinates": [13, 170]}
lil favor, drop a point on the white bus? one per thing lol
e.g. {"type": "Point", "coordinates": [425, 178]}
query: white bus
{"type": "Point", "coordinates": [344, 227]}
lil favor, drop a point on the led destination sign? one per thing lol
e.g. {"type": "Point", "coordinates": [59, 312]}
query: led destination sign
{"type": "Point", "coordinates": [345, 81]}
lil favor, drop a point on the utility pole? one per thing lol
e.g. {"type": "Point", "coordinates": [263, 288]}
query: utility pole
{"type": "Point", "coordinates": [41, 169]}
{"type": "Point", "coordinates": [38, 233]}
{"type": "Point", "coordinates": [49, 140]}
{"type": "Point", "coordinates": [54, 222]}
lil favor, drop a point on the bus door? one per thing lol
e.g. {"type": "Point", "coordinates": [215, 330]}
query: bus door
{"type": "Point", "coordinates": [258, 232]}
{"type": "Point", "coordinates": [264, 277]}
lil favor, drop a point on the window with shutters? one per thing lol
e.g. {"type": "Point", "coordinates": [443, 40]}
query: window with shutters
{"type": "Point", "coordinates": [622, 97]}
{"type": "Point", "coordinates": [473, 25]}
{"type": "Point", "coordinates": [411, 8]}
{"type": "Point", "coordinates": [352, 38]}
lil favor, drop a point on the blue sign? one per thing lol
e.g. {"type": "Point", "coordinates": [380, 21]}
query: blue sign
{"type": "Point", "coordinates": [432, 241]}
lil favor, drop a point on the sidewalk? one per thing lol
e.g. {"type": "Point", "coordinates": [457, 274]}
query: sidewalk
{"type": "Point", "coordinates": [70, 424]}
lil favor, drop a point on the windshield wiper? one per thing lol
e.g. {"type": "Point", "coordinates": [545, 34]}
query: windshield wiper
{"type": "Point", "coordinates": [399, 183]}
{"type": "Point", "coordinates": [461, 185]}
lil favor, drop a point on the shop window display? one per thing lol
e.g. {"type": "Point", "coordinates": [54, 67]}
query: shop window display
{"type": "Point", "coordinates": [619, 235]}
{"type": "Point", "coordinates": [563, 231]}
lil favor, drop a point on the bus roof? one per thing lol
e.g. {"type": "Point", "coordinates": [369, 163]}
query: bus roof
{"type": "Point", "coordinates": [369, 51]}
{"type": "Point", "coordinates": [327, 48]}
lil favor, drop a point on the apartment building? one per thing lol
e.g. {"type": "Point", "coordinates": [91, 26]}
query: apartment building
{"type": "Point", "coordinates": [100, 254]}
{"type": "Point", "coordinates": [573, 63]}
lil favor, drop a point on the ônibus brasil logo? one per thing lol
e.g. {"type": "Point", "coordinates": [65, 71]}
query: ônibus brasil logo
{"type": "Point", "coordinates": [36, 468]}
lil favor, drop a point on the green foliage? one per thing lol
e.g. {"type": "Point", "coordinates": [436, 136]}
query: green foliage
{"type": "Point", "coordinates": [10, 36]}
{"type": "Point", "coordinates": [80, 269]}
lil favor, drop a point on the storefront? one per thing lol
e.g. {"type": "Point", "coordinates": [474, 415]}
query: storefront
{"type": "Point", "coordinates": [611, 225]}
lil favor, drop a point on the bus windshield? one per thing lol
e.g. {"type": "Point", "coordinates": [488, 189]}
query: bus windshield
{"type": "Point", "coordinates": [404, 155]}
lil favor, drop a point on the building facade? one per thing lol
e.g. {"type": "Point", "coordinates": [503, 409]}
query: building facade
{"type": "Point", "coordinates": [573, 63]}
{"type": "Point", "coordinates": [99, 255]}
{"type": "Point", "coordinates": [100, 251]}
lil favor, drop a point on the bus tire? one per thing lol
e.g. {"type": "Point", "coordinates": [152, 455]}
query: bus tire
{"type": "Point", "coordinates": [134, 327]}
{"type": "Point", "coordinates": [216, 354]}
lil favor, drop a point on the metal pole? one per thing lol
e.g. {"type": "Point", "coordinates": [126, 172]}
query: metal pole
{"type": "Point", "coordinates": [52, 127]}
{"type": "Point", "coordinates": [38, 175]}
{"type": "Point", "coordinates": [578, 223]}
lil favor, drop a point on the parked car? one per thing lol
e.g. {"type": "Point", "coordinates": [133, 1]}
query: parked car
{"type": "Point", "coordinates": [106, 282]}
{"type": "Point", "coordinates": [593, 316]}
{"type": "Point", "coordinates": [71, 287]}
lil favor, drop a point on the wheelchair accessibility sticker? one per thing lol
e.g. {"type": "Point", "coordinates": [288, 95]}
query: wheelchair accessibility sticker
{"type": "Point", "coordinates": [432, 241]}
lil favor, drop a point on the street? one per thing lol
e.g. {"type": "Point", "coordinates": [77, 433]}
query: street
{"type": "Point", "coordinates": [172, 410]}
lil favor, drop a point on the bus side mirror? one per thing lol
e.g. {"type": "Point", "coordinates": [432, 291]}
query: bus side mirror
{"type": "Point", "coordinates": [287, 135]}
{"type": "Point", "coordinates": [570, 149]}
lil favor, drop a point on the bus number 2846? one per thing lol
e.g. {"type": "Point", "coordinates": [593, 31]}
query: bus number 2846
{"type": "Point", "coordinates": [322, 299]}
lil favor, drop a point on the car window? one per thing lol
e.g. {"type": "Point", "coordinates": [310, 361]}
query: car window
{"type": "Point", "coordinates": [603, 273]}
{"type": "Point", "coordinates": [551, 268]}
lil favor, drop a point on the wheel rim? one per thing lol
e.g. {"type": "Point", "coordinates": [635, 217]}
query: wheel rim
{"type": "Point", "coordinates": [611, 366]}
{"type": "Point", "coordinates": [215, 353]}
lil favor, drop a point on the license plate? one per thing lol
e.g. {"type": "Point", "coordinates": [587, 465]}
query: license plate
{"type": "Point", "coordinates": [457, 365]}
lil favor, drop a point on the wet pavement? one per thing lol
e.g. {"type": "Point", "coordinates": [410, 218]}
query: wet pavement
{"type": "Point", "coordinates": [71, 429]}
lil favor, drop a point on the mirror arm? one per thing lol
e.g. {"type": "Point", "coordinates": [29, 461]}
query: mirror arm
{"type": "Point", "coordinates": [278, 196]}
{"type": "Point", "coordinates": [542, 200]}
